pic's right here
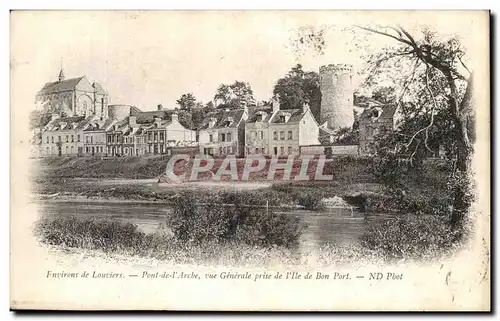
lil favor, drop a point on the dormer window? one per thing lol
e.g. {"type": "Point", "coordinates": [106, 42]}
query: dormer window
{"type": "Point", "coordinates": [282, 119]}
{"type": "Point", "coordinates": [261, 115]}
{"type": "Point", "coordinates": [228, 121]}
{"type": "Point", "coordinates": [375, 113]}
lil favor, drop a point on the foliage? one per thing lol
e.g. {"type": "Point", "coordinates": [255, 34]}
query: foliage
{"type": "Point", "coordinates": [186, 101]}
{"type": "Point", "coordinates": [233, 96]}
{"type": "Point", "coordinates": [230, 217]}
{"type": "Point", "coordinates": [91, 233]}
{"type": "Point", "coordinates": [411, 237]}
{"type": "Point", "coordinates": [298, 88]}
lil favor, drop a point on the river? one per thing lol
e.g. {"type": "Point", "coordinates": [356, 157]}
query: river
{"type": "Point", "coordinates": [336, 225]}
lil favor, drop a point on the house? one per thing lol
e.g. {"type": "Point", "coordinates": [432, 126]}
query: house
{"type": "Point", "coordinates": [94, 136]}
{"type": "Point", "coordinates": [291, 128]}
{"type": "Point", "coordinates": [257, 130]}
{"type": "Point", "coordinates": [223, 133]}
{"type": "Point", "coordinates": [114, 138]}
{"type": "Point", "coordinates": [64, 135]}
{"type": "Point", "coordinates": [376, 119]}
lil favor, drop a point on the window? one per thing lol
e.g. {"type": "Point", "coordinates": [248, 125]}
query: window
{"type": "Point", "coordinates": [254, 134]}
{"type": "Point", "coordinates": [149, 136]}
{"type": "Point", "coordinates": [52, 139]}
{"type": "Point", "coordinates": [47, 139]}
{"type": "Point", "coordinates": [161, 136]}
{"type": "Point", "coordinates": [72, 138]}
{"type": "Point", "coordinates": [67, 150]}
{"type": "Point", "coordinates": [225, 150]}
{"type": "Point", "coordinates": [282, 150]}
{"type": "Point", "coordinates": [289, 150]}
{"type": "Point", "coordinates": [91, 139]}
{"type": "Point", "coordinates": [256, 150]}
{"type": "Point", "coordinates": [220, 150]}
{"type": "Point", "coordinates": [109, 138]}
{"type": "Point", "coordinates": [290, 135]}
{"type": "Point", "coordinates": [211, 138]}
{"type": "Point", "coordinates": [261, 134]}
{"type": "Point", "coordinates": [228, 137]}
{"type": "Point", "coordinates": [67, 138]}
{"type": "Point", "coordinates": [48, 150]}
{"type": "Point", "coordinates": [87, 139]}
{"type": "Point", "coordinates": [78, 138]}
{"type": "Point", "coordinates": [282, 135]}
{"type": "Point", "coordinates": [72, 150]}
{"type": "Point", "coordinates": [59, 138]}
{"type": "Point", "coordinates": [275, 135]}
{"type": "Point", "coordinates": [223, 137]}
{"type": "Point", "coordinates": [156, 136]}
{"type": "Point", "coordinates": [230, 149]}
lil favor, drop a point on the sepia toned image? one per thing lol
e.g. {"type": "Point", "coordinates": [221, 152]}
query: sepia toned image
{"type": "Point", "coordinates": [250, 160]}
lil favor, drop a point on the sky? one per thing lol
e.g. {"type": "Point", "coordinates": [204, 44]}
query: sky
{"type": "Point", "coordinates": [151, 57]}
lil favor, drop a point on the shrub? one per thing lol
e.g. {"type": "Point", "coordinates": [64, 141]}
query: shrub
{"type": "Point", "coordinates": [237, 217]}
{"type": "Point", "coordinates": [89, 233]}
{"type": "Point", "coordinates": [411, 237]}
{"type": "Point", "coordinates": [311, 200]}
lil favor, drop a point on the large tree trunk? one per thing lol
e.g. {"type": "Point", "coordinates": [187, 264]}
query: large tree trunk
{"type": "Point", "coordinates": [462, 117]}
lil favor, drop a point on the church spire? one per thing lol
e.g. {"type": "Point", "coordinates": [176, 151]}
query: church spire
{"type": "Point", "coordinates": [61, 73]}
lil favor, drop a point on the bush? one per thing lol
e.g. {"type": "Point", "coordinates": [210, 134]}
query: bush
{"type": "Point", "coordinates": [90, 233]}
{"type": "Point", "coordinates": [411, 237]}
{"type": "Point", "coordinates": [311, 200]}
{"type": "Point", "coordinates": [237, 217]}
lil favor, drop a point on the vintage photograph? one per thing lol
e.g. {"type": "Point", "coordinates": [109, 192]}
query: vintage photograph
{"type": "Point", "coordinates": [236, 160]}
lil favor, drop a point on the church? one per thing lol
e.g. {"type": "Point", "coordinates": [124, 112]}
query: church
{"type": "Point", "coordinates": [73, 97]}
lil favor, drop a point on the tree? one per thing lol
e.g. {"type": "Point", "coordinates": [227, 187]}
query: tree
{"type": "Point", "coordinates": [298, 88]}
{"type": "Point", "coordinates": [187, 101]}
{"type": "Point", "coordinates": [441, 85]}
{"type": "Point", "coordinates": [234, 96]}
{"type": "Point", "coordinates": [434, 82]}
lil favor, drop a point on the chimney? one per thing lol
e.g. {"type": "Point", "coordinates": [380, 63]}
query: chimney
{"type": "Point", "coordinates": [160, 107]}
{"type": "Point", "coordinates": [174, 117]}
{"type": "Point", "coordinates": [305, 107]}
{"type": "Point", "coordinates": [276, 105]}
{"type": "Point", "coordinates": [132, 121]}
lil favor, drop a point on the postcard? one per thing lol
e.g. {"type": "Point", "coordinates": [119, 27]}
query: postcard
{"type": "Point", "coordinates": [250, 160]}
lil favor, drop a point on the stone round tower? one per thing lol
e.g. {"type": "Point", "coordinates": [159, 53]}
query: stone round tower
{"type": "Point", "coordinates": [336, 96]}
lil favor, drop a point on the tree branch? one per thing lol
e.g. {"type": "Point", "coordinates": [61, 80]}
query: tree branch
{"type": "Point", "coordinates": [434, 106]}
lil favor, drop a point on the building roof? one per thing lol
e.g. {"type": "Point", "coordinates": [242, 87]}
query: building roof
{"type": "Point", "coordinates": [99, 89]}
{"type": "Point", "coordinates": [254, 113]}
{"type": "Point", "coordinates": [223, 119]}
{"type": "Point", "coordinates": [65, 123]}
{"type": "Point", "coordinates": [59, 86]}
{"type": "Point", "coordinates": [295, 116]}
{"type": "Point", "coordinates": [388, 112]}
{"type": "Point", "coordinates": [146, 117]}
